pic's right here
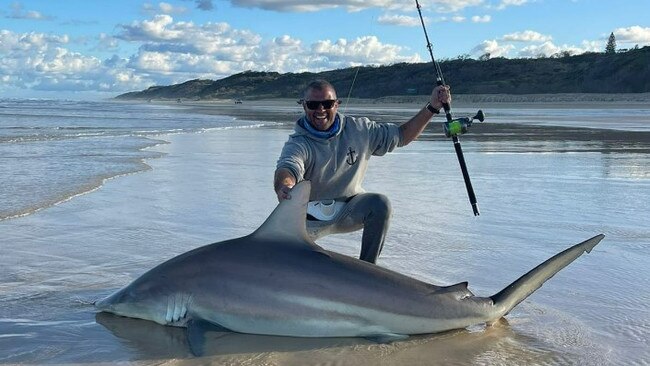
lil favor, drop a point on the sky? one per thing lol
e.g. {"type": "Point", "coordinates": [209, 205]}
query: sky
{"type": "Point", "coordinates": [93, 49]}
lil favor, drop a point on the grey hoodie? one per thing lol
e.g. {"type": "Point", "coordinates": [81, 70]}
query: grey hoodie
{"type": "Point", "coordinates": [337, 165]}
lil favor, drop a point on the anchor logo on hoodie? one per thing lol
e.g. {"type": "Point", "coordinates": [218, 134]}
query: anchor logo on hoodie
{"type": "Point", "coordinates": [351, 156]}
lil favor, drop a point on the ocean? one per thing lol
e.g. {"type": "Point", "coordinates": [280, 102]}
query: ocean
{"type": "Point", "coordinates": [53, 150]}
{"type": "Point", "coordinates": [93, 194]}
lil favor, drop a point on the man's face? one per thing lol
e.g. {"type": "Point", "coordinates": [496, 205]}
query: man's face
{"type": "Point", "coordinates": [320, 117]}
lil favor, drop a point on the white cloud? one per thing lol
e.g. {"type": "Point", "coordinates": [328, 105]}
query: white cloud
{"type": "Point", "coordinates": [167, 45]}
{"type": "Point", "coordinates": [547, 49]}
{"type": "Point", "coordinates": [363, 50]}
{"type": "Point", "coordinates": [299, 6]}
{"type": "Point", "coordinates": [163, 7]}
{"type": "Point", "coordinates": [481, 19]}
{"type": "Point", "coordinates": [170, 51]}
{"type": "Point", "coordinates": [106, 42]}
{"type": "Point", "coordinates": [280, 54]}
{"type": "Point", "coordinates": [633, 35]}
{"type": "Point", "coordinates": [40, 61]}
{"type": "Point", "coordinates": [217, 39]}
{"type": "Point", "coordinates": [493, 48]}
{"type": "Point", "coordinates": [544, 50]}
{"type": "Point", "coordinates": [506, 3]}
{"type": "Point", "coordinates": [17, 12]}
{"type": "Point", "coordinates": [155, 29]}
{"type": "Point", "coordinates": [400, 20]}
{"type": "Point", "coordinates": [449, 6]}
{"type": "Point", "coordinates": [535, 45]}
{"type": "Point", "coordinates": [526, 36]}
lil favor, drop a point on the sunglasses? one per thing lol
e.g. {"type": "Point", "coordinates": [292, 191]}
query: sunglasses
{"type": "Point", "coordinates": [327, 104]}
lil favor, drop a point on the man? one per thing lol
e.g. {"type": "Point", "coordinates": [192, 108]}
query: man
{"type": "Point", "coordinates": [332, 151]}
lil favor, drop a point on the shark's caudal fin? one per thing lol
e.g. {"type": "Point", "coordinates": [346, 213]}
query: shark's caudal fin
{"type": "Point", "coordinates": [519, 290]}
{"type": "Point", "coordinates": [288, 220]}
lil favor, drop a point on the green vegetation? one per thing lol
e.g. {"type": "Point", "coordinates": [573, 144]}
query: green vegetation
{"type": "Point", "coordinates": [618, 72]}
{"type": "Point", "coordinates": [611, 44]}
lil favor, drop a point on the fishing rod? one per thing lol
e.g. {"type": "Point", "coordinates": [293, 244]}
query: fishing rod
{"type": "Point", "coordinates": [454, 127]}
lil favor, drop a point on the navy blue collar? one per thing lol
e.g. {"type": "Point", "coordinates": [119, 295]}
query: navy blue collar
{"type": "Point", "coordinates": [332, 131]}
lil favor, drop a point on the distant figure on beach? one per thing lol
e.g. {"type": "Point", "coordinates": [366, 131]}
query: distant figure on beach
{"type": "Point", "coordinates": [332, 151]}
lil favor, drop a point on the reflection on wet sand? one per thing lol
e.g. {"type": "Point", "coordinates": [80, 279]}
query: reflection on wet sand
{"type": "Point", "coordinates": [491, 344]}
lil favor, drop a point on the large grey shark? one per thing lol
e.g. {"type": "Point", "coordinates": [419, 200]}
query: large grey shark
{"type": "Point", "coordinates": [277, 281]}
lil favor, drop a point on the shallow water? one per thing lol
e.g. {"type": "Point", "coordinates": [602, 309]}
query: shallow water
{"type": "Point", "coordinates": [52, 150]}
{"type": "Point", "coordinates": [537, 197]}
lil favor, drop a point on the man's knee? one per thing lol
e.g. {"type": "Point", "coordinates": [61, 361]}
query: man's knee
{"type": "Point", "coordinates": [380, 205]}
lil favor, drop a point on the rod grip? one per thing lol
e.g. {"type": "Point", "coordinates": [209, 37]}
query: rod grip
{"type": "Point", "coordinates": [468, 182]}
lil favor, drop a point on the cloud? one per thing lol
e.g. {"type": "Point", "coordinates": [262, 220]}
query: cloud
{"type": "Point", "coordinates": [506, 3]}
{"type": "Point", "coordinates": [400, 20]}
{"type": "Point", "coordinates": [459, 19]}
{"type": "Point", "coordinates": [526, 36]}
{"type": "Point", "coordinates": [106, 42]}
{"type": "Point", "coordinates": [170, 51]}
{"type": "Point", "coordinates": [633, 34]}
{"type": "Point", "coordinates": [39, 61]}
{"type": "Point", "coordinates": [493, 48]}
{"type": "Point", "coordinates": [204, 38]}
{"type": "Point", "coordinates": [481, 19]}
{"type": "Point", "coordinates": [167, 43]}
{"type": "Point", "coordinates": [362, 50]}
{"type": "Point", "coordinates": [450, 6]}
{"type": "Point", "coordinates": [547, 49]}
{"type": "Point", "coordinates": [164, 8]}
{"type": "Point", "coordinates": [155, 29]}
{"type": "Point", "coordinates": [204, 4]}
{"type": "Point", "coordinates": [17, 12]}
{"type": "Point", "coordinates": [534, 43]}
{"type": "Point", "coordinates": [541, 50]}
{"type": "Point", "coordinates": [301, 6]}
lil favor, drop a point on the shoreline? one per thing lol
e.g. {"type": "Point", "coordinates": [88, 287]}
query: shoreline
{"type": "Point", "coordinates": [285, 111]}
{"type": "Point", "coordinates": [567, 100]}
{"type": "Point", "coordinates": [624, 123]}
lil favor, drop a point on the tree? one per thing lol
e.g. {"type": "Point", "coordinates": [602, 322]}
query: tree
{"type": "Point", "coordinates": [611, 44]}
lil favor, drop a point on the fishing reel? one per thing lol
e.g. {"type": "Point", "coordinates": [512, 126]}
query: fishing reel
{"type": "Point", "coordinates": [461, 125]}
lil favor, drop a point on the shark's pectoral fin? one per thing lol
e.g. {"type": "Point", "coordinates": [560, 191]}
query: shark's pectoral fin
{"type": "Point", "coordinates": [196, 330]}
{"type": "Point", "coordinates": [386, 337]}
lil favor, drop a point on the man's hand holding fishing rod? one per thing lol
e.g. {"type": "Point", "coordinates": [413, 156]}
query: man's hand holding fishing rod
{"type": "Point", "coordinates": [414, 127]}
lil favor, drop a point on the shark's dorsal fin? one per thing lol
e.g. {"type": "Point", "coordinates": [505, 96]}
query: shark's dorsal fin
{"type": "Point", "coordinates": [288, 220]}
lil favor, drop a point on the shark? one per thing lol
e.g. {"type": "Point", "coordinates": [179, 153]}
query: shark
{"type": "Point", "coordinates": [278, 281]}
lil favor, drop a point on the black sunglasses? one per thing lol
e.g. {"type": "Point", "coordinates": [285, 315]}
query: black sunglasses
{"type": "Point", "coordinates": [327, 104]}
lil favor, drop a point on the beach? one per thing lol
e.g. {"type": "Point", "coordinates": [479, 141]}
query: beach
{"type": "Point", "coordinates": [546, 177]}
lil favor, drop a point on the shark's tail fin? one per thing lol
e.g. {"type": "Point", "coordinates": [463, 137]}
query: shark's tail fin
{"type": "Point", "coordinates": [519, 290]}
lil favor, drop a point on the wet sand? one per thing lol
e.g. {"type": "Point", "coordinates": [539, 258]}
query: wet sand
{"type": "Point", "coordinates": [611, 132]}
{"type": "Point", "coordinates": [540, 188]}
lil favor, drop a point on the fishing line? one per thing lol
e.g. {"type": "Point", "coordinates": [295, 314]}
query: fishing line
{"type": "Point", "coordinates": [347, 100]}
{"type": "Point", "coordinates": [356, 72]}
